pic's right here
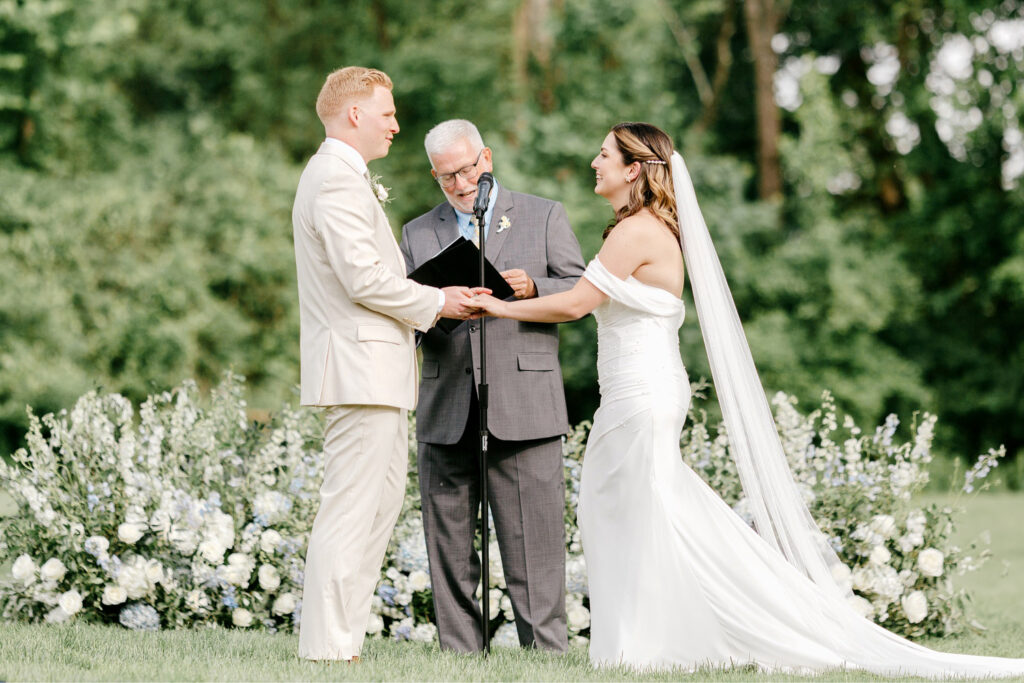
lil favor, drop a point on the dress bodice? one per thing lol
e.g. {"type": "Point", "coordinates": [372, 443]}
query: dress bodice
{"type": "Point", "coordinates": [637, 334]}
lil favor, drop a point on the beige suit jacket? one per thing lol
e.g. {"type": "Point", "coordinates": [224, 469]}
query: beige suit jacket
{"type": "Point", "coordinates": [357, 309]}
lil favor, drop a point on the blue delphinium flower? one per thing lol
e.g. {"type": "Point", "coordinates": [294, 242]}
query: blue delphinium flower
{"type": "Point", "coordinates": [139, 617]}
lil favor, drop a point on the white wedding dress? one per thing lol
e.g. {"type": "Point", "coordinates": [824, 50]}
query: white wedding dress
{"type": "Point", "coordinates": [676, 578]}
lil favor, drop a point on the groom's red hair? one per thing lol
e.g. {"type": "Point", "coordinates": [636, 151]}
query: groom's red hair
{"type": "Point", "coordinates": [345, 85]}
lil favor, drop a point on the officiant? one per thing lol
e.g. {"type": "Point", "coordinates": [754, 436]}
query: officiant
{"type": "Point", "coordinates": [530, 241]}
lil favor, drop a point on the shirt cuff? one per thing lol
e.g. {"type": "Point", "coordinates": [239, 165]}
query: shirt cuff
{"type": "Point", "coordinates": [440, 300]}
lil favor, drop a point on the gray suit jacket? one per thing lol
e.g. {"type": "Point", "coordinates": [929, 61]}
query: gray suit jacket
{"type": "Point", "coordinates": [527, 400]}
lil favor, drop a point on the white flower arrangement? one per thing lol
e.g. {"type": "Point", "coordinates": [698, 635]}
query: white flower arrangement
{"type": "Point", "coordinates": [383, 194]}
{"type": "Point", "coordinates": [190, 515]}
{"type": "Point", "coordinates": [503, 224]}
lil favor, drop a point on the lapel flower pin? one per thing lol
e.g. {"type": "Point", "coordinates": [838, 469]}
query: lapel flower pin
{"type": "Point", "coordinates": [382, 193]}
{"type": "Point", "coordinates": [504, 224]}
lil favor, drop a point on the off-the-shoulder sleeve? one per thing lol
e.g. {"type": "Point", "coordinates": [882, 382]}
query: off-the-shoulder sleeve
{"type": "Point", "coordinates": [632, 293]}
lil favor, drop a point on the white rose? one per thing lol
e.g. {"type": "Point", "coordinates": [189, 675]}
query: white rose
{"type": "Point", "coordinates": [113, 595]}
{"type": "Point", "coordinates": [130, 532]}
{"type": "Point", "coordinates": [578, 617]}
{"type": "Point", "coordinates": [71, 602]}
{"type": "Point", "coordinates": [285, 604]}
{"type": "Point", "coordinates": [24, 569]}
{"type": "Point", "coordinates": [404, 598]}
{"type": "Point", "coordinates": [880, 555]}
{"type": "Point", "coordinates": [915, 606]}
{"type": "Point", "coordinates": [53, 570]}
{"type": "Point", "coordinates": [419, 580]}
{"type": "Point", "coordinates": [374, 625]}
{"type": "Point", "coordinates": [270, 540]}
{"type": "Point", "coordinates": [241, 617]}
{"type": "Point", "coordinates": [212, 550]}
{"type": "Point", "coordinates": [860, 606]}
{"type": "Point", "coordinates": [269, 578]}
{"type": "Point", "coordinates": [930, 562]}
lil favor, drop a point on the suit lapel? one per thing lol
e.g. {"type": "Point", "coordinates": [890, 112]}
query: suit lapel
{"type": "Point", "coordinates": [446, 227]}
{"type": "Point", "coordinates": [398, 264]}
{"type": "Point", "coordinates": [496, 236]}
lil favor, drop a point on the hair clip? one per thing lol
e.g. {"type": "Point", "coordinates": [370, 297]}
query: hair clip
{"type": "Point", "coordinates": [654, 161]}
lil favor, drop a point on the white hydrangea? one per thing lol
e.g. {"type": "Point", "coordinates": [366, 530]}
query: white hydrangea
{"type": "Point", "coordinates": [884, 525]}
{"type": "Point", "coordinates": [424, 633]}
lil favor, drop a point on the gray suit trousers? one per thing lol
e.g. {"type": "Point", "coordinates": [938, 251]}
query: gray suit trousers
{"type": "Point", "coordinates": [530, 531]}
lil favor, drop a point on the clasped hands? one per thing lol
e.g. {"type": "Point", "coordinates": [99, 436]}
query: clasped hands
{"type": "Point", "coordinates": [475, 302]}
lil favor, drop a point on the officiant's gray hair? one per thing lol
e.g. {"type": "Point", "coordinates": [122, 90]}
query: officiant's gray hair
{"type": "Point", "coordinates": [447, 133]}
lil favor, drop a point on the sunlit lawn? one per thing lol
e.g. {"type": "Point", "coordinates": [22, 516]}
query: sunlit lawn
{"type": "Point", "coordinates": [79, 652]}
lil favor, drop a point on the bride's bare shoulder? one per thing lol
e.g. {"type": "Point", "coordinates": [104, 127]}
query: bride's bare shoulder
{"type": "Point", "coordinates": [643, 228]}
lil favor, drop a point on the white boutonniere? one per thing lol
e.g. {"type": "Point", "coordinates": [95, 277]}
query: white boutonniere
{"type": "Point", "coordinates": [382, 193]}
{"type": "Point", "coordinates": [504, 224]}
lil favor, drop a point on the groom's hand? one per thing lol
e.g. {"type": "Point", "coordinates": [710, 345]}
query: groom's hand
{"type": "Point", "coordinates": [458, 301]}
{"type": "Point", "coordinates": [520, 282]}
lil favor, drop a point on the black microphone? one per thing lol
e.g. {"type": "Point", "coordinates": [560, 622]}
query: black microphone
{"type": "Point", "coordinates": [483, 193]}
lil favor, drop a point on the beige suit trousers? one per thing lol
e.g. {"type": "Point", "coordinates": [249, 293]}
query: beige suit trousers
{"type": "Point", "coordinates": [366, 451]}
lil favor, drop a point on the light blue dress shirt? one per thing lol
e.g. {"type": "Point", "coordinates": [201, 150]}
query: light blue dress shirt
{"type": "Point", "coordinates": [466, 227]}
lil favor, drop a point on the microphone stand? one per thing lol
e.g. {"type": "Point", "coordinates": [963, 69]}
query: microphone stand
{"type": "Point", "coordinates": [485, 593]}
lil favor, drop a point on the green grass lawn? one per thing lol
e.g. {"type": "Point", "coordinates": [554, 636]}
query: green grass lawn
{"type": "Point", "coordinates": [81, 652]}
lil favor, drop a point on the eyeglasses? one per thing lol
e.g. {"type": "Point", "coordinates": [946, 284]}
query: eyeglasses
{"type": "Point", "coordinates": [447, 180]}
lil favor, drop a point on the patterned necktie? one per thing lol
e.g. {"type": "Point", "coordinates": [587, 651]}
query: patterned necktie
{"type": "Point", "coordinates": [476, 231]}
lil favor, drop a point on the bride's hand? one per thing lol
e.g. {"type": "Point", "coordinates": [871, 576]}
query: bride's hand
{"type": "Point", "coordinates": [485, 304]}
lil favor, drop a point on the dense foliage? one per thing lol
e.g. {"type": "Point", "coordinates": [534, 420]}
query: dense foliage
{"type": "Point", "coordinates": [149, 152]}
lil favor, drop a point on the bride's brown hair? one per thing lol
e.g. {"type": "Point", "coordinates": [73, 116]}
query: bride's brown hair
{"type": "Point", "coordinates": [652, 189]}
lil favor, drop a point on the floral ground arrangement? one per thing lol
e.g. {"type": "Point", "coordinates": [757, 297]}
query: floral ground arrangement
{"type": "Point", "coordinates": [185, 513]}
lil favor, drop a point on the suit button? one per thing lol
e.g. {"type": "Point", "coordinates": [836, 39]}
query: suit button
{"type": "Point", "coordinates": [472, 328]}
{"type": "Point", "coordinates": [469, 371]}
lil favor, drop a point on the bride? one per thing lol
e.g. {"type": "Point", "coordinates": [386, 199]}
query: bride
{"type": "Point", "coordinates": [676, 578]}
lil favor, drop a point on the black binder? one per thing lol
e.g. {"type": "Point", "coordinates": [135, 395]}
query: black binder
{"type": "Point", "coordinates": [459, 264]}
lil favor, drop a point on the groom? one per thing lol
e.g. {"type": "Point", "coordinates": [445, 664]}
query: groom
{"type": "Point", "coordinates": [530, 241]}
{"type": "Point", "coordinates": [357, 313]}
